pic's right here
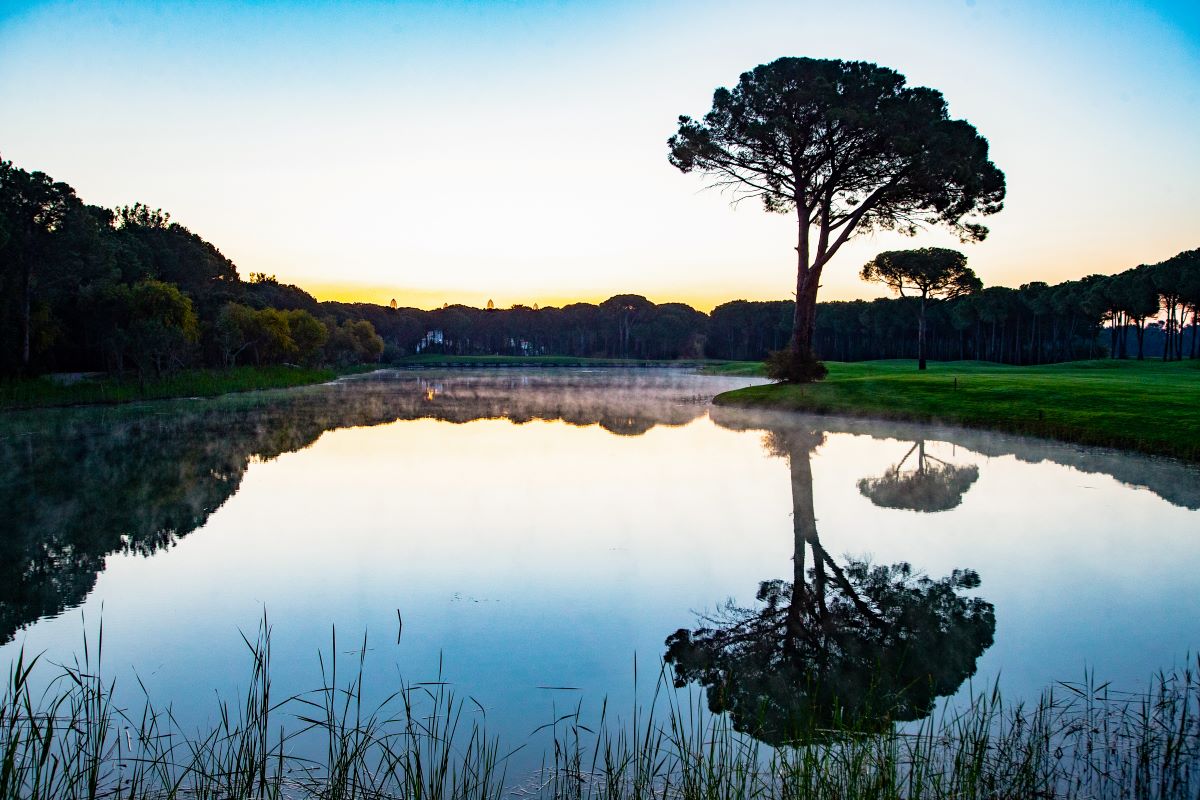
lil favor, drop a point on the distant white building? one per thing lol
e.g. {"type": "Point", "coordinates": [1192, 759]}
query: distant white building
{"type": "Point", "coordinates": [524, 345]}
{"type": "Point", "coordinates": [431, 338]}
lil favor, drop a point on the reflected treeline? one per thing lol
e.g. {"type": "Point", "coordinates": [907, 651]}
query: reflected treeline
{"type": "Point", "coordinates": [1174, 481]}
{"type": "Point", "coordinates": [928, 484]}
{"type": "Point", "coordinates": [81, 484]}
{"type": "Point", "coordinates": [843, 646]}
{"type": "Point", "coordinates": [84, 483]}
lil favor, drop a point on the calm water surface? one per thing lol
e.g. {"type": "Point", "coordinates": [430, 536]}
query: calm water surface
{"type": "Point", "coordinates": [547, 529]}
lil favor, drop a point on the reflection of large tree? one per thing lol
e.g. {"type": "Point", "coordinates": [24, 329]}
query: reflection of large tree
{"type": "Point", "coordinates": [85, 483]}
{"type": "Point", "coordinates": [929, 485]}
{"type": "Point", "coordinates": [855, 645]}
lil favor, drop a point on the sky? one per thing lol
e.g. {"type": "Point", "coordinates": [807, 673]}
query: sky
{"type": "Point", "coordinates": [440, 152]}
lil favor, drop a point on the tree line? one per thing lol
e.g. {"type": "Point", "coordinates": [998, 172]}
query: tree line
{"type": "Point", "coordinates": [85, 288]}
{"type": "Point", "coordinates": [1146, 311]}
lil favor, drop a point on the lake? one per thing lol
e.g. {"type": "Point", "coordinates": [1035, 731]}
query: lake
{"type": "Point", "coordinates": [528, 537]}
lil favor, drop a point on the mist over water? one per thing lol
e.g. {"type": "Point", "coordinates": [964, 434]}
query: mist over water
{"type": "Point", "coordinates": [537, 532]}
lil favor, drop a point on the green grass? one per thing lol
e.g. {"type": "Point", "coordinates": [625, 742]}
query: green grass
{"type": "Point", "coordinates": [1151, 407]}
{"type": "Point", "coordinates": [749, 369]}
{"type": "Point", "coordinates": [73, 741]}
{"type": "Point", "coordinates": [41, 392]}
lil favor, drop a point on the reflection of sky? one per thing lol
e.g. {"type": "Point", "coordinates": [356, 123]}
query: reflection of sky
{"type": "Point", "coordinates": [516, 151]}
{"type": "Point", "coordinates": [550, 555]}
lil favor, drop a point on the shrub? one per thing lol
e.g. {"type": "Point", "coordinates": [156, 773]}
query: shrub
{"type": "Point", "coordinates": [791, 366]}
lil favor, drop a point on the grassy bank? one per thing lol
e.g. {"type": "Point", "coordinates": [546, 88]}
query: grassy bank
{"type": "Point", "coordinates": [1146, 406]}
{"type": "Point", "coordinates": [746, 369]}
{"type": "Point", "coordinates": [1077, 741]}
{"type": "Point", "coordinates": [43, 392]}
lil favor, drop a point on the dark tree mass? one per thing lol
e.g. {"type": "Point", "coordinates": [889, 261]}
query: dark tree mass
{"type": "Point", "coordinates": [84, 288]}
{"type": "Point", "coordinates": [847, 147]}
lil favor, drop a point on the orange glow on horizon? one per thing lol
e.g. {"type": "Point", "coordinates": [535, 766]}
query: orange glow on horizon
{"type": "Point", "coordinates": [840, 282]}
{"type": "Point", "coordinates": [430, 299]}
{"type": "Point", "coordinates": [337, 151]}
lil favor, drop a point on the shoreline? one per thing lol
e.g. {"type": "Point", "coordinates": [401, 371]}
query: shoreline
{"type": "Point", "coordinates": [1145, 407]}
{"type": "Point", "coordinates": [48, 392]}
{"type": "Point", "coordinates": [43, 392]}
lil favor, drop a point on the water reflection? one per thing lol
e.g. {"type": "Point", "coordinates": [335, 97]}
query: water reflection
{"type": "Point", "coordinates": [842, 645]}
{"type": "Point", "coordinates": [1174, 481]}
{"type": "Point", "coordinates": [929, 484]}
{"type": "Point", "coordinates": [82, 484]}
{"type": "Point", "coordinates": [86, 483]}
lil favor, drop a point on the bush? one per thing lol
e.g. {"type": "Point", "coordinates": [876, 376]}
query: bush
{"type": "Point", "coordinates": [791, 366]}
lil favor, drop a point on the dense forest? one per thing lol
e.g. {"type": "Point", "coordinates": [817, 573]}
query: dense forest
{"type": "Point", "coordinates": [85, 288]}
{"type": "Point", "coordinates": [90, 288]}
{"type": "Point", "coordinates": [1146, 311]}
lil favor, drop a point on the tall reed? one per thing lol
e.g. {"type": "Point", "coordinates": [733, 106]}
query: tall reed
{"type": "Point", "coordinates": [70, 740]}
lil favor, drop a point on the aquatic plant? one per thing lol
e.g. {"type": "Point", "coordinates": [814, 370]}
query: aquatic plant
{"type": "Point", "coordinates": [71, 740]}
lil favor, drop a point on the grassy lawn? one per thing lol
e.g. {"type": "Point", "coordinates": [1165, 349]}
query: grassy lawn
{"type": "Point", "coordinates": [1147, 406]}
{"type": "Point", "coordinates": [41, 392]}
{"type": "Point", "coordinates": [736, 369]}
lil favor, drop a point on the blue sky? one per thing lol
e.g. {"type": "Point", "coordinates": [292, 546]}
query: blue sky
{"type": "Point", "coordinates": [464, 151]}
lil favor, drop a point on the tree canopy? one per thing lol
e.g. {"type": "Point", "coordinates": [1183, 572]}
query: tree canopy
{"type": "Point", "coordinates": [848, 147]}
{"type": "Point", "coordinates": [931, 485]}
{"type": "Point", "coordinates": [933, 272]}
{"type": "Point", "coordinates": [929, 273]}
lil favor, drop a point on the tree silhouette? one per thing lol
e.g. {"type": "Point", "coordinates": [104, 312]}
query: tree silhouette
{"type": "Point", "coordinates": [841, 648]}
{"type": "Point", "coordinates": [847, 147]}
{"type": "Point", "coordinates": [33, 207]}
{"type": "Point", "coordinates": [931, 485]}
{"type": "Point", "coordinates": [929, 272]}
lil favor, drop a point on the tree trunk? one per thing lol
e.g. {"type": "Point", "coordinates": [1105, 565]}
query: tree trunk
{"type": "Point", "coordinates": [921, 335]}
{"type": "Point", "coordinates": [26, 314]}
{"type": "Point", "coordinates": [1195, 310]}
{"type": "Point", "coordinates": [1167, 328]}
{"type": "Point", "coordinates": [804, 317]}
{"type": "Point", "coordinates": [804, 529]}
{"type": "Point", "coordinates": [1182, 322]}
